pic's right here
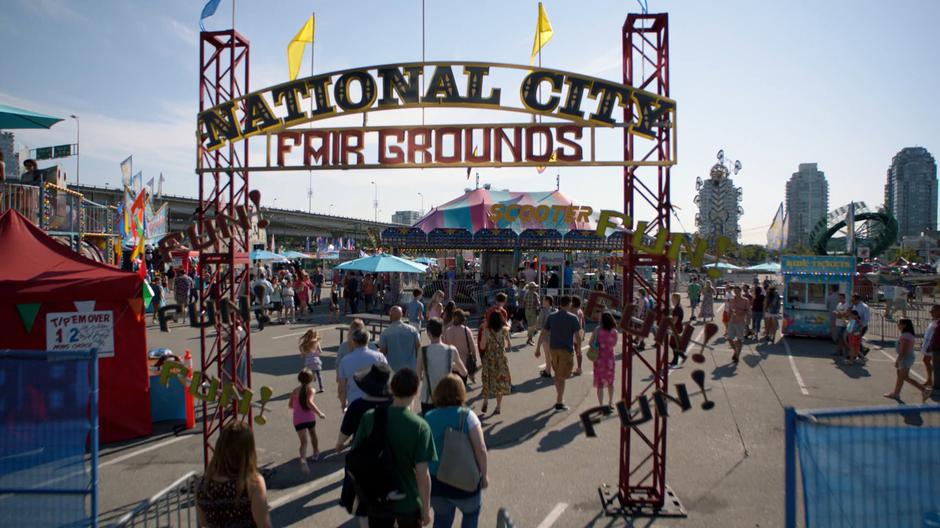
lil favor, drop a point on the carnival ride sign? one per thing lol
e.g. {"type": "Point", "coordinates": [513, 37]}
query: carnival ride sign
{"type": "Point", "coordinates": [577, 105]}
{"type": "Point", "coordinates": [70, 331]}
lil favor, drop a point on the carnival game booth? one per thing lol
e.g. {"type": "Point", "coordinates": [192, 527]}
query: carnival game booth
{"type": "Point", "coordinates": [807, 281]}
{"type": "Point", "coordinates": [52, 298]}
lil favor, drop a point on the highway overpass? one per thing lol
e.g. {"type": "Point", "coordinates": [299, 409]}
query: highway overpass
{"type": "Point", "coordinates": [284, 223]}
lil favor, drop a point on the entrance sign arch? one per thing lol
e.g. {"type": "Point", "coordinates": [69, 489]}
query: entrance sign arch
{"type": "Point", "coordinates": [576, 102]}
{"type": "Point", "coordinates": [639, 107]}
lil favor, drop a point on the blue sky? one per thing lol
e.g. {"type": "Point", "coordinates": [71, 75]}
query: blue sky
{"type": "Point", "coordinates": [845, 84]}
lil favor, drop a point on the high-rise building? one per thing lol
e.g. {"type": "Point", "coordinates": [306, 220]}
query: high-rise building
{"type": "Point", "coordinates": [406, 217]}
{"type": "Point", "coordinates": [807, 203]}
{"type": "Point", "coordinates": [11, 158]}
{"type": "Point", "coordinates": [718, 205]}
{"type": "Point", "coordinates": [911, 191]}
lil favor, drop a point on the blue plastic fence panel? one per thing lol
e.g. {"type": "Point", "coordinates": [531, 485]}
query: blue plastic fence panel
{"type": "Point", "coordinates": [46, 432]}
{"type": "Point", "coordinates": [873, 467]}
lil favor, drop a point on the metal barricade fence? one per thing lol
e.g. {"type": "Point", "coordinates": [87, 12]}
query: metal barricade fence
{"type": "Point", "coordinates": [96, 218]}
{"type": "Point", "coordinates": [25, 199]}
{"type": "Point", "coordinates": [174, 505]}
{"type": "Point", "coordinates": [461, 291]}
{"type": "Point", "coordinates": [883, 321]}
{"type": "Point", "coordinates": [61, 210]}
{"type": "Point", "coordinates": [873, 466]}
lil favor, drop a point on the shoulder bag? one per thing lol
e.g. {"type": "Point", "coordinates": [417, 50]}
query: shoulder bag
{"type": "Point", "coordinates": [471, 357]}
{"type": "Point", "coordinates": [458, 467]}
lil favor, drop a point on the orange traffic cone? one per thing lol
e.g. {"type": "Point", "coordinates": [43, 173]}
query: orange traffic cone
{"type": "Point", "coordinates": [190, 405]}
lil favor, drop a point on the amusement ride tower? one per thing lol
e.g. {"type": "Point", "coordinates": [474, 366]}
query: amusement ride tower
{"type": "Point", "coordinates": [718, 201]}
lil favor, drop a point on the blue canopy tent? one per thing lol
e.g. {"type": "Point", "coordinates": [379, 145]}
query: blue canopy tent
{"type": "Point", "coordinates": [767, 267]}
{"type": "Point", "coordinates": [297, 255]}
{"type": "Point", "coordinates": [382, 263]}
{"type": "Point", "coordinates": [724, 266]}
{"type": "Point", "coordinates": [428, 261]}
{"type": "Point", "coordinates": [260, 254]}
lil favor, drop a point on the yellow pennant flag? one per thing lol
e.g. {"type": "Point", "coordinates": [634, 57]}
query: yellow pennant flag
{"type": "Point", "coordinates": [295, 50]}
{"type": "Point", "coordinates": [139, 248]}
{"type": "Point", "coordinates": [543, 33]}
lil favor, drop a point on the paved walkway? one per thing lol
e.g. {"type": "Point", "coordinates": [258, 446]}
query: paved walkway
{"type": "Point", "coordinates": [726, 465]}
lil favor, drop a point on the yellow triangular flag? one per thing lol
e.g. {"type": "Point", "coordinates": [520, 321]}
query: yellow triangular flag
{"type": "Point", "coordinates": [139, 248]}
{"type": "Point", "coordinates": [295, 50]}
{"type": "Point", "coordinates": [543, 33]}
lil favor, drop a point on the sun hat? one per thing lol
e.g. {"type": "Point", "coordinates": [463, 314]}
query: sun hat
{"type": "Point", "coordinates": [373, 380]}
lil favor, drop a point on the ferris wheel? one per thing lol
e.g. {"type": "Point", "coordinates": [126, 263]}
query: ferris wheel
{"type": "Point", "coordinates": [875, 230]}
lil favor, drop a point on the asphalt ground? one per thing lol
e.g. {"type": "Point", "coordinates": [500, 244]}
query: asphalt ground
{"type": "Point", "coordinates": [726, 465]}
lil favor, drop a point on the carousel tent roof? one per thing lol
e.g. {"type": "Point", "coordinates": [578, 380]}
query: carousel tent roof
{"type": "Point", "coordinates": [471, 211]}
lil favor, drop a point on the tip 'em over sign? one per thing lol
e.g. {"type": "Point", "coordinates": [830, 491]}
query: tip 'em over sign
{"type": "Point", "coordinates": [574, 102]}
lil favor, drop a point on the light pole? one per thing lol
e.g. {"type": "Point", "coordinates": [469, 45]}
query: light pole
{"type": "Point", "coordinates": [331, 210]}
{"type": "Point", "coordinates": [375, 201]}
{"type": "Point", "coordinates": [78, 154]}
{"type": "Point", "coordinates": [421, 211]}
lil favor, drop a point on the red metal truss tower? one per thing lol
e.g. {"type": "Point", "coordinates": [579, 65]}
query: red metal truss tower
{"type": "Point", "coordinates": [642, 486]}
{"type": "Point", "coordinates": [226, 352]}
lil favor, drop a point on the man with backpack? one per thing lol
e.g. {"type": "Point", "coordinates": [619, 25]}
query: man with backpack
{"type": "Point", "coordinates": [262, 289]}
{"type": "Point", "coordinates": [389, 460]}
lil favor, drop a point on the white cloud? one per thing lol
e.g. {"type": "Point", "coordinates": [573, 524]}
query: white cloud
{"type": "Point", "coordinates": [163, 143]}
{"type": "Point", "coordinates": [184, 33]}
{"type": "Point", "coordinates": [55, 8]}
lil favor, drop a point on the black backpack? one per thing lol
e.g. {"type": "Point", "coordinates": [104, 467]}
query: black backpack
{"type": "Point", "coordinates": [371, 467]}
{"type": "Point", "coordinates": [259, 290]}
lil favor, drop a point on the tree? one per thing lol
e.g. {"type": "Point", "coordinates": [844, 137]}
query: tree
{"type": "Point", "coordinates": [750, 253]}
{"type": "Point", "coordinates": [908, 253]}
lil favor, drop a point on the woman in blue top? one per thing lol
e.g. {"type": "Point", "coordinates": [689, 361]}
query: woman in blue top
{"type": "Point", "coordinates": [449, 398]}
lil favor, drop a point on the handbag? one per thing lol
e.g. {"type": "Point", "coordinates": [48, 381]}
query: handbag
{"type": "Point", "coordinates": [471, 358]}
{"type": "Point", "coordinates": [458, 467]}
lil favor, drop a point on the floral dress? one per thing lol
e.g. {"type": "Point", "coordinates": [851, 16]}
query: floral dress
{"type": "Point", "coordinates": [605, 365]}
{"type": "Point", "coordinates": [496, 377]}
{"type": "Point", "coordinates": [708, 304]}
{"type": "Point", "coordinates": [222, 506]}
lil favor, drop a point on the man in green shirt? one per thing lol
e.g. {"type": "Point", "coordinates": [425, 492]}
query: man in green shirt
{"type": "Point", "coordinates": [413, 447]}
{"type": "Point", "coordinates": [695, 295]}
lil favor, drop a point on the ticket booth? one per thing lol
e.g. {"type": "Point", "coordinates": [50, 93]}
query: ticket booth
{"type": "Point", "coordinates": [807, 281]}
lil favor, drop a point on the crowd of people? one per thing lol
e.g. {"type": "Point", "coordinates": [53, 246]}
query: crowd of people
{"type": "Point", "coordinates": [414, 446]}
{"type": "Point", "coordinates": [849, 323]}
{"type": "Point", "coordinates": [414, 395]}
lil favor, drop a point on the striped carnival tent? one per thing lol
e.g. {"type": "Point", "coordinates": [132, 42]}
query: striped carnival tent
{"type": "Point", "coordinates": [472, 212]}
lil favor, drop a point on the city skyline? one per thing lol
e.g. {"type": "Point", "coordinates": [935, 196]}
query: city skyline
{"type": "Point", "coordinates": [807, 202]}
{"type": "Point", "coordinates": [153, 65]}
{"type": "Point", "coordinates": [911, 191]}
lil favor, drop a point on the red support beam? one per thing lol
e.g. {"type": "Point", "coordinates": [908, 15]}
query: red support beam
{"type": "Point", "coordinates": [226, 352]}
{"type": "Point", "coordinates": [642, 484]}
